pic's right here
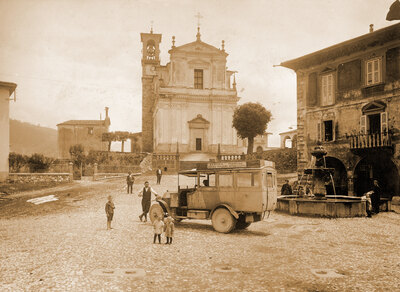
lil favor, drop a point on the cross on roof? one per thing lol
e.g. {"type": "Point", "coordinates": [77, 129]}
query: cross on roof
{"type": "Point", "coordinates": [198, 16]}
{"type": "Point", "coordinates": [151, 29]}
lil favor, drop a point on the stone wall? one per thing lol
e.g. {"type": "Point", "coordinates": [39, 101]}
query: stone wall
{"type": "Point", "coordinates": [40, 177]}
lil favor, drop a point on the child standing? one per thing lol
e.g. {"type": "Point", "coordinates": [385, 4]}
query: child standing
{"type": "Point", "coordinates": [109, 211]}
{"type": "Point", "coordinates": [158, 229]}
{"type": "Point", "coordinates": [169, 229]}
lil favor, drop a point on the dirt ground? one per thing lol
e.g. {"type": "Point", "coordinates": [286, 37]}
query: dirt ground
{"type": "Point", "coordinates": [64, 246]}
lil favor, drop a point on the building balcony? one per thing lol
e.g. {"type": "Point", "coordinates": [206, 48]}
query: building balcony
{"type": "Point", "coordinates": [370, 141]}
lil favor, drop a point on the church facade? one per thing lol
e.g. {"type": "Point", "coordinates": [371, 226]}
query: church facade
{"type": "Point", "coordinates": [187, 104]}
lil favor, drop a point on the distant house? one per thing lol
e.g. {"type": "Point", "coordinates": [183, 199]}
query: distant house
{"type": "Point", "coordinates": [288, 139]}
{"type": "Point", "coordinates": [6, 90]}
{"type": "Point", "coordinates": [88, 133]}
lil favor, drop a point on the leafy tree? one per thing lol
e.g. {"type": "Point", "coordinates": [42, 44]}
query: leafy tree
{"type": "Point", "coordinates": [78, 156]}
{"type": "Point", "coordinates": [39, 163]}
{"type": "Point", "coordinates": [249, 120]}
{"type": "Point", "coordinates": [109, 137]}
{"type": "Point", "coordinates": [16, 161]}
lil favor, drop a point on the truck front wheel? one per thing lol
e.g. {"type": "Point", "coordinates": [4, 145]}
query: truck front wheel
{"type": "Point", "coordinates": [223, 221]}
{"type": "Point", "coordinates": [156, 211]}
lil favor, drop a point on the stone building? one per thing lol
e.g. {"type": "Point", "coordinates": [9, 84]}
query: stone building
{"type": "Point", "coordinates": [348, 99]}
{"type": "Point", "coordinates": [85, 132]}
{"type": "Point", "coordinates": [6, 90]}
{"type": "Point", "coordinates": [260, 143]}
{"type": "Point", "coordinates": [187, 104]}
{"type": "Point", "coordinates": [288, 136]}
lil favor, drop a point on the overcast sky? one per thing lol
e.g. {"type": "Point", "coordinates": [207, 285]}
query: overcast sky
{"type": "Point", "coordinates": [71, 58]}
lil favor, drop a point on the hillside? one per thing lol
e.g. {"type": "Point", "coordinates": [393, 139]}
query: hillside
{"type": "Point", "coordinates": [26, 138]}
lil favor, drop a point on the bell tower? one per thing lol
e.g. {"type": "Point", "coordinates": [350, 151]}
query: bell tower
{"type": "Point", "coordinates": [150, 63]}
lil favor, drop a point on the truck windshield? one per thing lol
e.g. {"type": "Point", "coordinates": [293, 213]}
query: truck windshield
{"type": "Point", "coordinates": [186, 181]}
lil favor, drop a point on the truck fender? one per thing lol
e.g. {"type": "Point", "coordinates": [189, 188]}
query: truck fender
{"type": "Point", "coordinates": [164, 205]}
{"type": "Point", "coordinates": [226, 206]}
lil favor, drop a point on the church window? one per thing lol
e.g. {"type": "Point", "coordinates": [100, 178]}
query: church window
{"type": "Point", "coordinates": [198, 144]}
{"type": "Point", "coordinates": [90, 131]}
{"type": "Point", "coordinates": [327, 89]}
{"type": "Point", "coordinates": [373, 71]}
{"type": "Point", "coordinates": [198, 78]}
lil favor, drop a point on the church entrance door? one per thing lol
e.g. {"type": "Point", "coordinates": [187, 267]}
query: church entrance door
{"type": "Point", "coordinates": [198, 144]}
{"type": "Point", "coordinates": [198, 131]}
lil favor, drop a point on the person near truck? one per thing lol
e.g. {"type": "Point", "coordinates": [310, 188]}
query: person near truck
{"type": "Point", "coordinates": [145, 193]}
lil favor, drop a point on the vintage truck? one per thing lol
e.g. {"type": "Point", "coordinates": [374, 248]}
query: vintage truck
{"type": "Point", "coordinates": [232, 194]}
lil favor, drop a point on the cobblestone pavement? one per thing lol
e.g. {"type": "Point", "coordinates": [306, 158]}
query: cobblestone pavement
{"type": "Point", "coordinates": [64, 246]}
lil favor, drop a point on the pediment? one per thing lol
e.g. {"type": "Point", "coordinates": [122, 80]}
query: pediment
{"type": "Point", "coordinates": [327, 70]}
{"type": "Point", "coordinates": [375, 106]}
{"type": "Point", "coordinates": [199, 120]}
{"type": "Point", "coordinates": [198, 47]}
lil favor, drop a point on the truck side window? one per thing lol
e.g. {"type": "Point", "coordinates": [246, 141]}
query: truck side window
{"type": "Point", "coordinates": [270, 180]}
{"type": "Point", "coordinates": [225, 180]}
{"type": "Point", "coordinates": [256, 179]}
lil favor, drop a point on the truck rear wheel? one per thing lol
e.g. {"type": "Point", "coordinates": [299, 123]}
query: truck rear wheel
{"type": "Point", "coordinates": [156, 211]}
{"type": "Point", "coordinates": [223, 221]}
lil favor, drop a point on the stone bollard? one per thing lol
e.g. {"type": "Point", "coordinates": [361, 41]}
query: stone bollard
{"type": "Point", "coordinates": [71, 171]}
{"type": "Point", "coordinates": [95, 170]}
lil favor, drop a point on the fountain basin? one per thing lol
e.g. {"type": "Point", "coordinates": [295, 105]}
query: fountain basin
{"type": "Point", "coordinates": [330, 207]}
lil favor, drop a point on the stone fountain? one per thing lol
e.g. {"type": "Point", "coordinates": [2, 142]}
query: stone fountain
{"type": "Point", "coordinates": [318, 202]}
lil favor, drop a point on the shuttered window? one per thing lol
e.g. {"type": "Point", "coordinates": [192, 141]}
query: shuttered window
{"type": "Point", "coordinates": [349, 75]}
{"type": "Point", "coordinates": [373, 70]}
{"type": "Point", "coordinates": [393, 64]}
{"type": "Point", "coordinates": [312, 89]}
{"type": "Point", "coordinates": [327, 89]}
{"type": "Point", "coordinates": [363, 124]}
{"type": "Point", "coordinates": [384, 122]}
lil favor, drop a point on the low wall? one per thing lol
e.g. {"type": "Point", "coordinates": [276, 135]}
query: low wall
{"type": "Point", "coordinates": [39, 177]}
{"type": "Point", "coordinates": [167, 162]}
{"type": "Point", "coordinates": [102, 176]}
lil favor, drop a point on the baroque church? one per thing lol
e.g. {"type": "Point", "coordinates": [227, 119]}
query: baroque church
{"type": "Point", "coordinates": [187, 104]}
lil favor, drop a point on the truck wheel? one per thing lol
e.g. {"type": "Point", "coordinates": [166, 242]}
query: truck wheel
{"type": "Point", "coordinates": [156, 211]}
{"type": "Point", "coordinates": [241, 223]}
{"type": "Point", "coordinates": [223, 221]}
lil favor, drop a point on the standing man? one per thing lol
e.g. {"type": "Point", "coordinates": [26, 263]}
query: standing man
{"type": "Point", "coordinates": [146, 199]}
{"type": "Point", "coordinates": [129, 181]}
{"type": "Point", "coordinates": [159, 174]}
{"type": "Point", "coordinates": [286, 189]}
{"type": "Point", "coordinates": [376, 197]}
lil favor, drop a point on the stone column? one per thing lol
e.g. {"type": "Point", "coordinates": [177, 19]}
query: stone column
{"type": "Point", "coordinates": [71, 171]}
{"type": "Point", "coordinates": [95, 170]}
{"type": "Point", "coordinates": [350, 183]}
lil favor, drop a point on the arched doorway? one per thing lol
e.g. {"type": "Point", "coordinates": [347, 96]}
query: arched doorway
{"type": "Point", "coordinates": [287, 142]}
{"type": "Point", "coordinates": [377, 166]}
{"type": "Point", "coordinates": [340, 175]}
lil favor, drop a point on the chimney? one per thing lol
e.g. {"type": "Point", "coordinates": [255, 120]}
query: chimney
{"type": "Point", "coordinates": [371, 28]}
{"type": "Point", "coordinates": [106, 108]}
